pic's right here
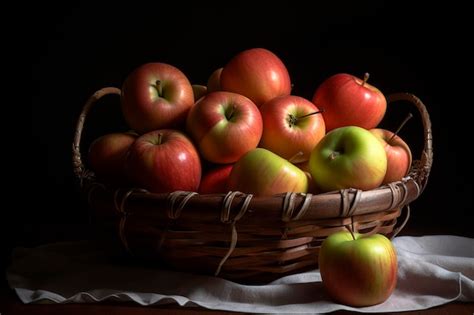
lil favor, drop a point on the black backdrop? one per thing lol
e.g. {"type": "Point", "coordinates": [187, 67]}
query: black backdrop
{"type": "Point", "coordinates": [77, 48]}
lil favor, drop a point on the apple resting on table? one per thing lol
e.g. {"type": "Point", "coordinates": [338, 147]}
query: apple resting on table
{"type": "Point", "coordinates": [358, 270]}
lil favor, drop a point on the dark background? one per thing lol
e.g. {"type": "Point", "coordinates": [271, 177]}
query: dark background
{"type": "Point", "coordinates": [77, 48]}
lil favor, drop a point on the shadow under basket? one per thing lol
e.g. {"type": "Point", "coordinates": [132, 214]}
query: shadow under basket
{"type": "Point", "coordinates": [240, 237]}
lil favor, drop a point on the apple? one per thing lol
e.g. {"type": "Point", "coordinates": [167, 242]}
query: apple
{"type": "Point", "coordinates": [291, 124]}
{"type": "Point", "coordinates": [312, 188]}
{"type": "Point", "coordinates": [199, 91]}
{"type": "Point", "coordinates": [398, 155]}
{"type": "Point", "coordinates": [107, 155]}
{"type": "Point", "coordinates": [348, 157]}
{"type": "Point", "coordinates": [164, 161]}
{"type": "Point", "coordinates": [358, 270]}
{"type": "Point", "coordinates": [258, 74]}
{"type": "Point", "coordinates": [214, 81]}
{"type": "Point", "coordinates": [156, 96]}
{"type": "Point", "coordinates": [215, 180]}
{"type": "Point", "coordinates": [350, 101]}
{"type": "Point", "coordinates": [263, 173]}
{"type": "Point", "coordinates": [224, 126]}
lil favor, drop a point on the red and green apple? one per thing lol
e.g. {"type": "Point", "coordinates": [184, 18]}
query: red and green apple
{"type": "Point", "coordinates": [292, 126]}
{"type": "Point", "coordinates": [350, 101]}
{"type": "Point", "coordinates": [224, 126]}
{"type": "Point", "coordinates": [348, 157]}
{"type": "Point", "coordinates": [356, 269]}
{"type": "Point", "coordinates": [164, 161]}
{"type": "Point", "coordinates": [263, 173]}
{"type": "Point", "coordinates": [156, 96]}
{"type": "Point", "coordinates": [258, 74]}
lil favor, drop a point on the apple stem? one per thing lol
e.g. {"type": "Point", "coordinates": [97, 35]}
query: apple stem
{"type": "Point", "coordinates": [366, 78]}
{"type": "Point", "coordinates": [310, 114]}
{"type": "Point", "coordinates": [409, 116]}
{"type": "Point", "coordinates": [333, 155]}
{"type": "Point", "coordinates": [350, 230]}
{"type": "Point", "coordinates": [160, 138]}
{"type": "Point", "coordinates": [159, 88]}
{"type": "Point", "coordinates": [297, 155]}
{"type": "Point", "coordinates": [294, 119]}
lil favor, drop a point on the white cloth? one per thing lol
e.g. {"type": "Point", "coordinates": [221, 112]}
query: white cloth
{"type": "Point", "coordinates": [433, 270]}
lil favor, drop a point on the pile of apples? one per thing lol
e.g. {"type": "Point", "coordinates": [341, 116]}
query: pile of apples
{"type": "Point", "coordinates": [244, 131]}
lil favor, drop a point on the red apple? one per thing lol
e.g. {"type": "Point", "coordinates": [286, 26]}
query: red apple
{"type": "Point", "coordinates": [214, 81]}
{"type": "Point", "coordinates": [291, 124]}
{"type": "Point", "coordinates": [199, 91]}
{"type": "Point", "coordinates": [107, 155]}
{"type": "Point", "coordinates": [164, 161]}
{"type": "Point", "coordinates": [257, 74]}
{"type": "Point", "coordinates": [224, 126]}
{"type": "Point", "coordinates": [215, 180]}
{"type": "Point", "coordinates": [156, 96]}
{"type": "Point", "coordinates": [358, 270]}
{"type": "Point", "coordinates": [350, 101]}
{"type": "Point", "coordinates": [398, 155]}
{"type": "Point", "coordinates": [263, 173]}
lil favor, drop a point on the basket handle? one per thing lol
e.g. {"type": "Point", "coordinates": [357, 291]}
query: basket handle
{"type": "Point", "coordinates": [421, 171]}
{"type": "Point", "coordinates": [78, 166]}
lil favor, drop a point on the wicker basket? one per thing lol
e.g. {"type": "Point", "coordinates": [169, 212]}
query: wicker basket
{"type": "Point", "coordinates": [242, 237]}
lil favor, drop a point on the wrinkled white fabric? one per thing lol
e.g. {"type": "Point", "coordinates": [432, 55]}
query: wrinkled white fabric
{"type": "Point", "coordinates": [433, 270]}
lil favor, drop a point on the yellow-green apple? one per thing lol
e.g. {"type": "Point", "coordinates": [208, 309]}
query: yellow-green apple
{"type": "Point", "coordinates": [107, 155]}
{"type": "Point", "coordinates": [258, 74]}
{"type": "Point", "coordinates": [348, 157]}
{"type": "Point", "coordinates": [164, 161]}
{"type": "Point", "coordinates": [263, 173]}
{"type": "Point", "coordinates": [155, 96]}
{"type": "Point", "coordinates": [224, 126]}
{"type": "Point", "coordinates": [215, 180]}
{"type": "Point", "coordinates": [291, 124]}
{"type": "Point", "coordinates": [398, 155]}
{"type": "Point", "coordinates": [199, 91]}
{"type": "Point", "coordinates": [350, 101]}
{"type": "Point", "coordinates": [358, 270]}
{"type": "Point", "coordinates": [214, 81]}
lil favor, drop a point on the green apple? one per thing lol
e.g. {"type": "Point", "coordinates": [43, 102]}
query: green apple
{"type": "Point", "coordinates": [356, 269]}
{"type": "Point", "coordinates": [348, 157]}
{"type": "Point", "coordinates": [263, 173]}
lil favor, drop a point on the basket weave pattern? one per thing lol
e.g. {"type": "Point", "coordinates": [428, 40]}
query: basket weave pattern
{"type": "Point", "coordinates": [240, 236]}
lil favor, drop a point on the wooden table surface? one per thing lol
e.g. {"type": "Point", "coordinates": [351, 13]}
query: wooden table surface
{"type": "Point", "coordinates": [11, 305]}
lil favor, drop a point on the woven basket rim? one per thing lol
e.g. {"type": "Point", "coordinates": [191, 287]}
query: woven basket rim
{"type": "Point", "coordinates": [413, 184]}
